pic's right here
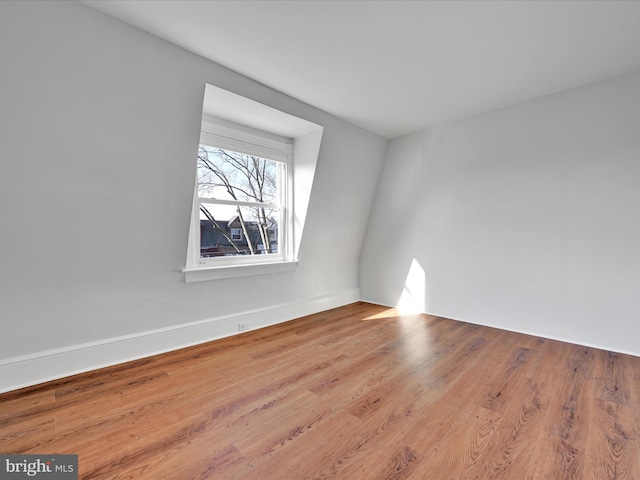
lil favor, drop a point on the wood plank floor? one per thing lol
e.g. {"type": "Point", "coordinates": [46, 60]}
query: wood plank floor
{"type": "Point", "coordinates": [353, 393]}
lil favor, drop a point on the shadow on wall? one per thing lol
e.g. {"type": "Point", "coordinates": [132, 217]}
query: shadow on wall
{"type": "Point", "coordinates": [413, 296]}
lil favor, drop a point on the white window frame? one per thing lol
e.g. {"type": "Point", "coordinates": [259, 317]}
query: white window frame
{"type": "Point", "coordinates": [219, 133]}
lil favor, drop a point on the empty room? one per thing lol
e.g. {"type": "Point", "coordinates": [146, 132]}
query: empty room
{"type": "Point", "coordinates": [247, 240]}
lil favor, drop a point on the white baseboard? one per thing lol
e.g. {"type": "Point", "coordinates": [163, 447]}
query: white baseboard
{"type": "Point", "coordinates": [28, 370]}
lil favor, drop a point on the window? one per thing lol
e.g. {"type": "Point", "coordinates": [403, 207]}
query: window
{"type": "Point", "coordinates": [241, 203]}
{"type": "Point", "coordinates": [236, 233]}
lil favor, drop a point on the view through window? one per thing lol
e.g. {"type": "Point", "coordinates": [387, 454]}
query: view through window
{"type": "Point", "coordinates": [240, 201]}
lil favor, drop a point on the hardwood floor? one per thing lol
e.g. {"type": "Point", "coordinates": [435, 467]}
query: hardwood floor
{"type": "Point", "coordinates": [354, 393]}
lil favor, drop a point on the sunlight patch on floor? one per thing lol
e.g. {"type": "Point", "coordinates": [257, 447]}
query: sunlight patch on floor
{"type": "Point", "coordinates": [387, 313]}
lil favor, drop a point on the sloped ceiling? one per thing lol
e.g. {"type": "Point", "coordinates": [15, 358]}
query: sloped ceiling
{"type": "Point", "coordinates": [394, 67]}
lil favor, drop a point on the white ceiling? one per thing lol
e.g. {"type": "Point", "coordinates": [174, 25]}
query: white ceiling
{"type": "Point", "coordinates": [394, 67]}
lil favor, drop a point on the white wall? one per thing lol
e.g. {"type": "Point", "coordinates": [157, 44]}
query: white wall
{"type": "Point", "coordinates": [526, 218]}
{"type": "Point", "coordinates": [100, 125]}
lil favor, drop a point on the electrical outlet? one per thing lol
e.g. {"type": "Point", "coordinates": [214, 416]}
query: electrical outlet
{"type": "Point", "coordinates": [243, 326]}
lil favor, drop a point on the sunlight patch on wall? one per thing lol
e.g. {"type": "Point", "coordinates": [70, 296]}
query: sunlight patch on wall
{"type": "Point", "coordinates": [413, 297]}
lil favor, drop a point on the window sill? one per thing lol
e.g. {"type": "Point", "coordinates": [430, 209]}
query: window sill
{"type": "Point", "coordinates": [232, 271]}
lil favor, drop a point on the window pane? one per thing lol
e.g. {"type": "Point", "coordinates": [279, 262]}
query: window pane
{"type": "Point", "coordinates": [228, 175]}
{"type": "Point", "coordinates": [229, 231]}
